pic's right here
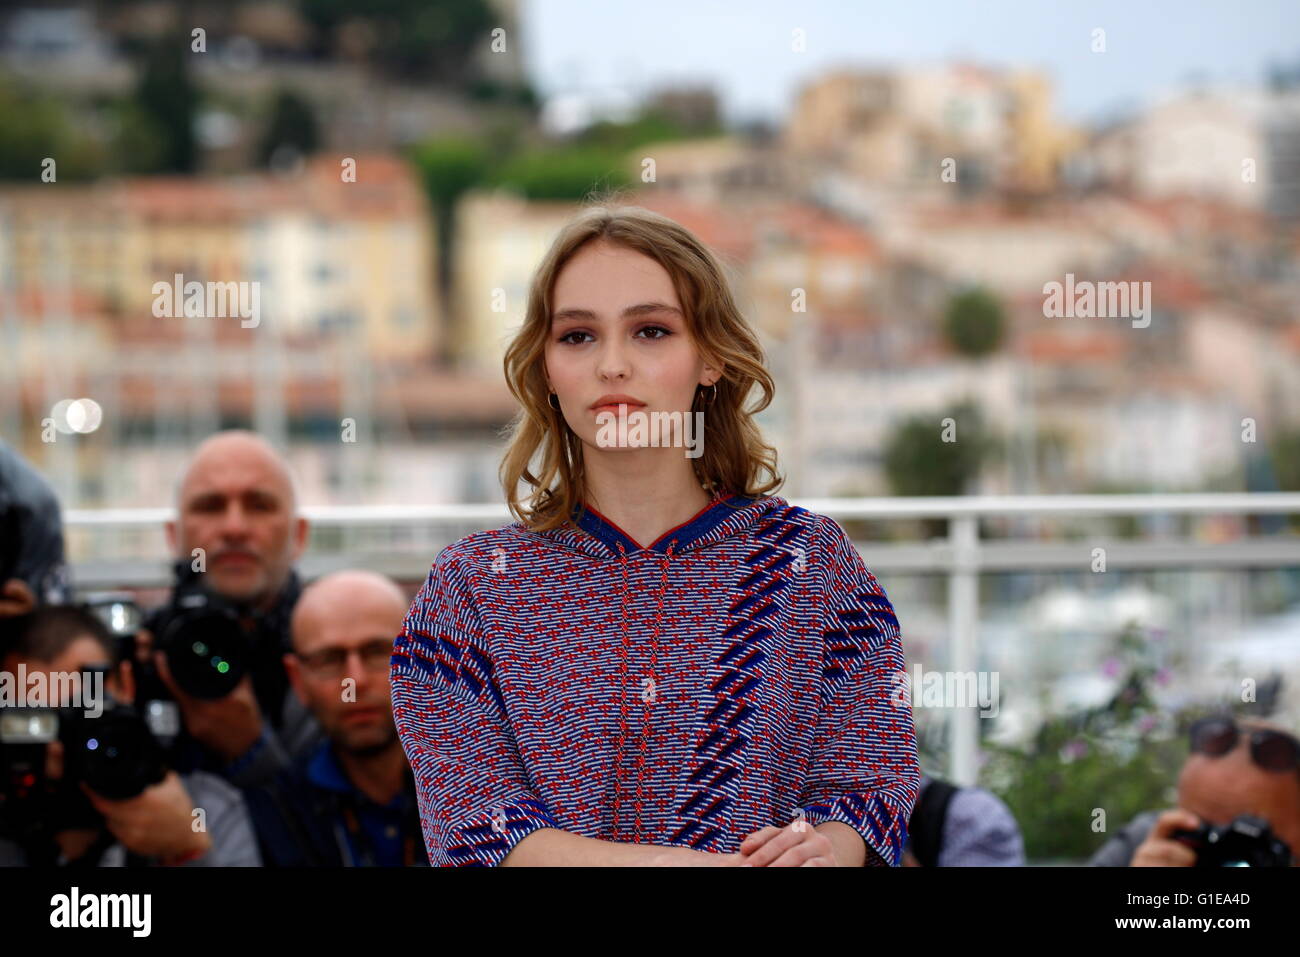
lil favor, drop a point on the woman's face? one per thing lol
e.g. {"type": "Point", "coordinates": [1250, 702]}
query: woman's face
{"type": "Point", "coordinates": [617, 328]}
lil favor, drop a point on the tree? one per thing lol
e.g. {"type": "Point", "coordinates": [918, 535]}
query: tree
{"type": "Point", "coordinates": [569, 173]}
{"type": "Point", "coordinates": [167, 96]}
{"type": "Point", "coordinates": [449, 167]}
{"type": "Point", "coordinates": [290, 126]}
{"type": "Point", "coordinates": [1285, 452]}
{"type": "Point", "coordinates": [918, 460]}
{"type": "Point", "coordinates": [33, 128]}
{"type": "Point", "coordinates": [651, 126]}
{"type": "Point", "coordinates": [488, 90]}
{"type": "Point", "coordinates": [139, 143]}
{"type": "Point", "coordinates": [973, 323]}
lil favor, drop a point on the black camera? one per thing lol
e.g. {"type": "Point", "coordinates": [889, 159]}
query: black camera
{"type": "Point", "coordinates": [1247, 841]}
{"type": "Point", "coordinates": [113, 752]}
{"type": "Point", "coordinates": [207, 649]}
{"type": "Point", "coordinates": [10, 544]}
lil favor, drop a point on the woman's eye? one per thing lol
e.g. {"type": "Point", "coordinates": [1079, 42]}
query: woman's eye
{"type": "Point", "coordinates": [662, 333]}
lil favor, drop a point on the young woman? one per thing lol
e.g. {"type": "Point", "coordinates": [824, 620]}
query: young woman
{"type": "Point", "coordinates": [724, 694]}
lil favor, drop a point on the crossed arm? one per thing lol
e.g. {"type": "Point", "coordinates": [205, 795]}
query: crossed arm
{"type": "Point", "coordinates": [827, 845]}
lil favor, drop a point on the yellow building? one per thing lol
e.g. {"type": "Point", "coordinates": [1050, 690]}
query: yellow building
{"type": "Point", "coordinates": [500, 240]}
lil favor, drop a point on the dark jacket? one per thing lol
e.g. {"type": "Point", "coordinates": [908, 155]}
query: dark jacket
{"type": "Point", "coordinates": [313, 816]}
{"type": "Point", "coordinates": [1119, 850]}
{"type": "Point", "coordinates": [31, 530]}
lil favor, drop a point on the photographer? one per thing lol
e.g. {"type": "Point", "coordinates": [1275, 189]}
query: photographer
{"type": "Point", "coordinates": [352, 803]}
{"type": "Point", "coordinates": [236, 536]}
{"type": "Point", "coordinates": [1243, 775]}
{"type": "Point", "coordinates": [57, 819]}
{"type": "Point", "coordinates": [32, 570]}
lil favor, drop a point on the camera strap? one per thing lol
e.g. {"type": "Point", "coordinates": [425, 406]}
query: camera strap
{"type": "Point", "coordinates": [270, 641]}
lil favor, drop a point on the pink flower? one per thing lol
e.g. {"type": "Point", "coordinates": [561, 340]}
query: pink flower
{"type": "Point", "coordinates": [1110, 667]}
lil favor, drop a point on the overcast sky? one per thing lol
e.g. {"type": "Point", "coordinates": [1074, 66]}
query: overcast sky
{"type": "Point", "coordinates": [743, 47]}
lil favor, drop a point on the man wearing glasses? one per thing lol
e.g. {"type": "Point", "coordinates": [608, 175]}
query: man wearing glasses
{"type": "Point", "coordinates": [1237, 767]}
{"type": "Point", "coordinates": [351, 802]}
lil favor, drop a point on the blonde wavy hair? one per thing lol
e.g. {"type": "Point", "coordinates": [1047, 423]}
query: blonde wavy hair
{"type": "Point", "coordinates": [545, 455]}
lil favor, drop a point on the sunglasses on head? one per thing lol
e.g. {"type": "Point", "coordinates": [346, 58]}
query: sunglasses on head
{"type": "Point", "coordinates": [1269, 749]}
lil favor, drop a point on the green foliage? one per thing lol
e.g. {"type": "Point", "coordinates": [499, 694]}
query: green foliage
{"type": "Point", "coordinates": [1285, 452]}
{"type": "Point", "coordinates": [593, 161]}
{"type": "Point", "coordinates": [1123, 757]}
{"type": "Point", "coordinates": [563, 174]}
{"type": "Point", "coordinates": [449, 166]}
{"type": "Point", "coordinates": [138, 145]}
{"type": "Point", "coordinates": [649, 127]}
{"type": "Point", "coordinates": [973, 323]}
{"type": "Point", "coordinates": [488, 90]}
{"type": "Point", "coordinates": [166, 94]}
{"type": "Point", "coordinates": [918, 461]}
{"type": "Point", "coordinates": [291, 124]}
{"type": "Point", "coordinates": [33, 127]}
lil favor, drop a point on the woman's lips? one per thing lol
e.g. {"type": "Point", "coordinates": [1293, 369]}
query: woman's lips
{"type": "Point", "coordinates": [614, 407]}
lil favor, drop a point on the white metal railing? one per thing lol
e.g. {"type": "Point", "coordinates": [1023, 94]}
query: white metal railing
{"type": "Point", "coordinates": [962, 556]}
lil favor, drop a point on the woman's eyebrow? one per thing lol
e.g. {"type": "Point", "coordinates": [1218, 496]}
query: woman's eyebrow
{"type": "Point", "coordinates": [640, 309]}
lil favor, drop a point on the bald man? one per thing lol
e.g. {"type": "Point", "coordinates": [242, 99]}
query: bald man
{"type": "Point", "coordinates": [237, 502]}
{"type": "Point", "coordinates": [352, 802]}
{"type": "Point", "coordinates": [237, 525]}
{"type": "Point", "coordinates": [1216, 787]}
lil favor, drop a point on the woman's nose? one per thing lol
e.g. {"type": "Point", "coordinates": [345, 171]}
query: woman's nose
{"type": "Point", "coordinates": [613, 361]}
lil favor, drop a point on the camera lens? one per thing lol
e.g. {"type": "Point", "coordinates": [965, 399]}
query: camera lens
{"type": "Point", "coordinates": [114, 753]}
{"type": "Point", "coordinates": [207, 654]}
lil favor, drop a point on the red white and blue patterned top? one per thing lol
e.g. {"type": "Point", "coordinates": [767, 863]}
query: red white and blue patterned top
{"type": "Point", "coordinates": [738, 672]}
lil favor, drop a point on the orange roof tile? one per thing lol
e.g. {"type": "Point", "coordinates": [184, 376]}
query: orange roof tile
{"type": "Point", "coordinates": [1048, 346]}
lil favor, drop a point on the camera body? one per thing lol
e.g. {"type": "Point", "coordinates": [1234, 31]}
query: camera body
{"type": "Point", "coordinates": [10, 544]}
{"type": "Point", "coordinates": [1247, 841]}
{"type": "Point", "coordinates": [113, 752]}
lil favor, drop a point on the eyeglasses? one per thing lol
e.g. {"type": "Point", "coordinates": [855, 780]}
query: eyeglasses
{"type": "Point", "coordinates": [1269, 749]}
{"type": "Point", "coordinates": [328, 662]}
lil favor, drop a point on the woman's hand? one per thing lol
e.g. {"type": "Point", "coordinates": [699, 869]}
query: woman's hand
{"type": "Point", "coordinates": [689, 857]}
{"type": "Point", "coordinates": [798, 845]}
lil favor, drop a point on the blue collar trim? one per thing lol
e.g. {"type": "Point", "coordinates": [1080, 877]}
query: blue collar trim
{"type": "Point", "coordinates": [688, 532]}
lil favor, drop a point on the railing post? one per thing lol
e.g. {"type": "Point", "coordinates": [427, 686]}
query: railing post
{"type": "Point", "coordinates": [963, 623]}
